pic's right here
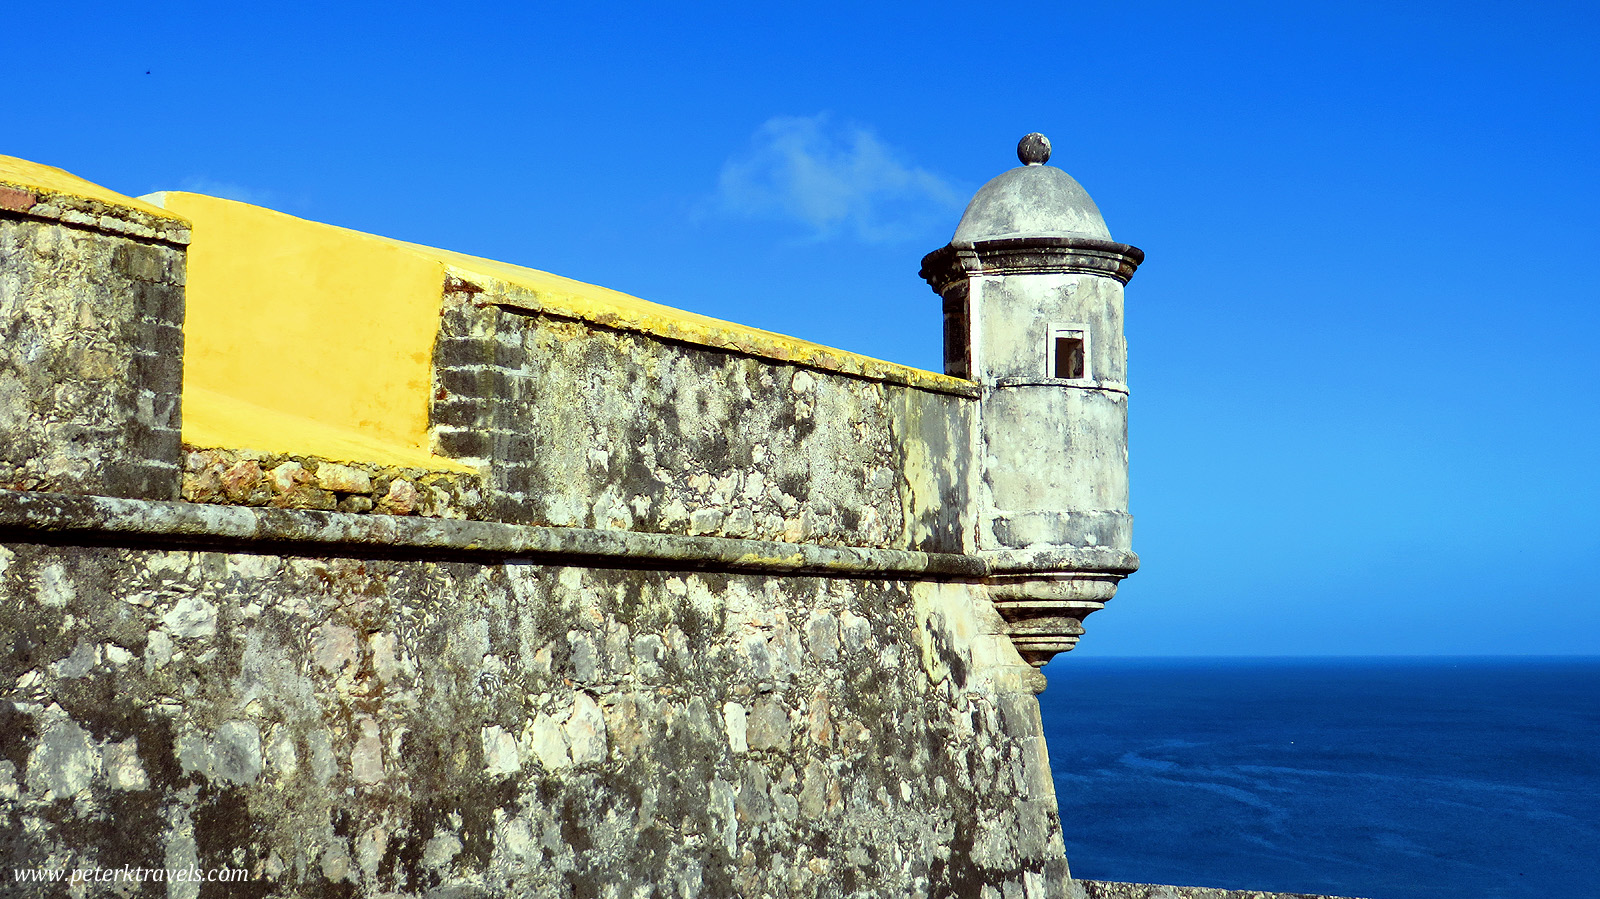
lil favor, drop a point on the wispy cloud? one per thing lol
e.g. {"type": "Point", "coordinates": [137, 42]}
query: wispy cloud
{"type": "Point", "coordinates": [227, 190]}
{"type": "Point", "coordinates": [836, 179]}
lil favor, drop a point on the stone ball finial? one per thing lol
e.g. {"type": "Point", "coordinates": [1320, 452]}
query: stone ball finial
{"type": "Point", "coordinates": [1034, 149]}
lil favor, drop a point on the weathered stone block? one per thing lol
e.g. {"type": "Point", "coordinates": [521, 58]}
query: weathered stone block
{"type": "Point", "coordinates": [343, 478]}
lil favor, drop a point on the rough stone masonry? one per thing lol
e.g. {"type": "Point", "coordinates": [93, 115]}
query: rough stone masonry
{"type": "Point", "coordinates": [664, 607]}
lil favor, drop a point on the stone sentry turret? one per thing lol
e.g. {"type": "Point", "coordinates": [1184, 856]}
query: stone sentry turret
{"type": "Point", "coordinates": [1032, 287]}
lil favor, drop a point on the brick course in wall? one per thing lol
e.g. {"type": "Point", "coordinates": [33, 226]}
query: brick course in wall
{"type": "Point", "coordinates": [91, 354]}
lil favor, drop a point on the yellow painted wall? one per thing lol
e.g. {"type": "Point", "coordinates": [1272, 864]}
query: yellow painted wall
{"type": "Point", "coordinates": [327, 332]}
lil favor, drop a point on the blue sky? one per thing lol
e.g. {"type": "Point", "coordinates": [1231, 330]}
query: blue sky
{"type": "Point", "coordinates": [1362, 348]}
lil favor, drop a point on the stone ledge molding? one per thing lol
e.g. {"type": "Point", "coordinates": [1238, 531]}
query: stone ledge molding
{"type": "Point", "coordinates": [1101, 889]}
{"type": "Point", "coordinates": [1072, 383]}
{"type": "Point", "coordinates": [23, 512]}
{"type": "Point", "coordinates": [1054, 559]}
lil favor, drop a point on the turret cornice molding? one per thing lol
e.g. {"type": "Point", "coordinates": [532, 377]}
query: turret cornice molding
{"type": "Point", "coordinates": [956, 262]}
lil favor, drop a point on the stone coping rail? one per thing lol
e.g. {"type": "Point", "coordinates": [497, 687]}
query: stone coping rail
{"type": "Point", "coordinates": [49, 194]}
{"type": "Point", "coordinates": [30, 514]}
{"type": "Point", "coordinates": [1101, 889]}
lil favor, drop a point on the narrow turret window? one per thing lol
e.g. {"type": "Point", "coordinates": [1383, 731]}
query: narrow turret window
{"type": "Point", "coordinates": [957, 335]}
{"type": "Point", "coordinates": [1068, 352]}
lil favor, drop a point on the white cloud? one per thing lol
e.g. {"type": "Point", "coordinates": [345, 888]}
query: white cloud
{"type": "Point", "coordinates": [835, 179]}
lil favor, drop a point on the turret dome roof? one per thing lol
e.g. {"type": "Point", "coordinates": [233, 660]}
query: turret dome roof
{"type": "Point", "coordinates": [1031, 200]}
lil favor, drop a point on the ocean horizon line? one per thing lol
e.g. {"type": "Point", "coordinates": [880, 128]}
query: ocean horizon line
{"type": "Point", "coordinates": [1395, 659]}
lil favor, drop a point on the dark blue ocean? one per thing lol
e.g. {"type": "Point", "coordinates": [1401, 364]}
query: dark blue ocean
{"type": "Point", "coordinates": [1383, 778]}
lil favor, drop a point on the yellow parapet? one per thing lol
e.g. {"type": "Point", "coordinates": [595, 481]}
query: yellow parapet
{"type": "Point", "coordinates": [48, 179]}
{"type": "Point", "coordinates": [315, 340]}
{"type": "Point", "coordinates": [309, 338]}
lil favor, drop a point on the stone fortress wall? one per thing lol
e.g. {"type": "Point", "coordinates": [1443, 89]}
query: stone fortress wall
{"type": "Point", "coordinates": [563, 594]}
